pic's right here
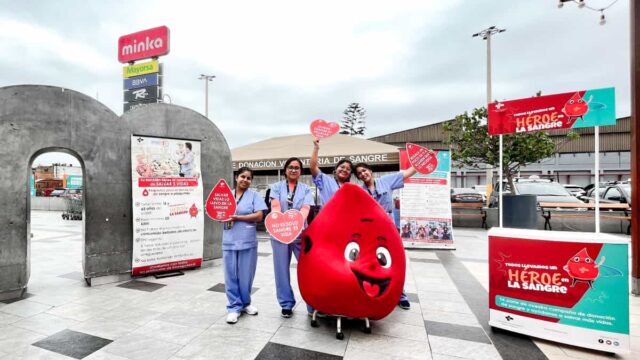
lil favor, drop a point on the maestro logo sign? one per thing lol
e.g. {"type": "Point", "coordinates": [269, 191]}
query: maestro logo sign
{"type": "Point", "coordinates": [143, 44]}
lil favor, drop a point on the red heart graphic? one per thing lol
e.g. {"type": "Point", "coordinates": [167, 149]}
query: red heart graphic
{"type": "Point", "coordinates": [221, 203]}
{"type": "Point", "coordinates": [425, 161]}
{"type": "Point", "coordinates": [371, 289]}
{"type": "Point", "coordinates": [285, 227]}
{"type": "Point", "coordinates": [323, 129]}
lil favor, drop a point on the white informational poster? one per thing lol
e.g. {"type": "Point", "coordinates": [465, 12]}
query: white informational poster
{"type": "Point", "coordinates": [168, 218]}
{"type": "Point", "coordinates": [425, 206]}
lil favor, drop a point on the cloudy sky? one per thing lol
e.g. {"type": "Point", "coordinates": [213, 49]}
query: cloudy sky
{"type": "Point", "coordinates": [281, 64]}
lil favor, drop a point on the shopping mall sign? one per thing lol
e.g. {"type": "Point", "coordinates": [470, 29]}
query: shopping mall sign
{"type": "Point", "coordinates": [143, 44]}
{"type": "Point", "coordinates": [148, 67]}
{"type": "Point", "coordinates": [582, 108]}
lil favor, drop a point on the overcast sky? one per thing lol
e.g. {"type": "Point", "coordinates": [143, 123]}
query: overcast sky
{"type": "Point", "coordinates": [281, 64]}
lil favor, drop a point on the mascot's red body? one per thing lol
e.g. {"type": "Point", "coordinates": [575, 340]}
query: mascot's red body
{"type": "Point", "coordinates": [352, 261]}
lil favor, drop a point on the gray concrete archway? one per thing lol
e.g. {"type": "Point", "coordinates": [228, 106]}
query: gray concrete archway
{"type": "Point", "coordinates": [36, 118]}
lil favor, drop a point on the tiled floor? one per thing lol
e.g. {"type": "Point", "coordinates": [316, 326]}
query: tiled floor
{"type": "Point", "coordinates": [183, 317]}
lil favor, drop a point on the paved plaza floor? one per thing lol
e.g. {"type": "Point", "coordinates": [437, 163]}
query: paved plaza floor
{"type": "Point", "coordinates": [183, 317]}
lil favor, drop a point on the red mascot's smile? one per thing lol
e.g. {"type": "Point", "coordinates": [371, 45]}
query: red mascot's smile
{"type": "Point", "coordinates": [371, 286]}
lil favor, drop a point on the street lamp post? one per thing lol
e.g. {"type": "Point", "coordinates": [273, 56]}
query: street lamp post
{"type": "Point", "coordinates": [206, 79]}
{"type": "Point", "coordinates": [486, 35]}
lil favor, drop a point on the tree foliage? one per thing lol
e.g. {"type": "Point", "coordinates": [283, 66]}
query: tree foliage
{"type": "Point", "coordinates": [473, 147]}
{"type": "Point", "coordinates": [353, 120]}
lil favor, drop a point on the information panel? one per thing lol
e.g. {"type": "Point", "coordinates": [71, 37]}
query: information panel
{"type": "Point", "coordinates": [168, 217]}
{"type": "Point", "coordinates": [425, 206]}
{"type": "Point", "coordinates": [569, 287]}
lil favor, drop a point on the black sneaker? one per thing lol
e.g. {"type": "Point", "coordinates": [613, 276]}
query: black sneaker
{"type": "Point", "coordinates": [404, 304]}
{"type": "Point", "coordinates": [287, 313]}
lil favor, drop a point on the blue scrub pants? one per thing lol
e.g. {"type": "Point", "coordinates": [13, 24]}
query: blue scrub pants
{"type": "Point", "coordinates": [239, 271]}
{"type": "Point", "coordinates": [281, 268]}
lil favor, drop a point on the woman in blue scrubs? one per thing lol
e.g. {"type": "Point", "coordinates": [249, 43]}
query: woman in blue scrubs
{"type": "Point", "coordinates": [288, 194]}
{"type": "Point", "coordinates": [328, 185]}
{"type": "Point", "coordinates": [240, 247]}
{"type": "Point", "coordinates": [382, 191]}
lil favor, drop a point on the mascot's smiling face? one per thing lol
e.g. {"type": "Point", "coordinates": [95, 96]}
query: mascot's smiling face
{"type": "Point", "coordinates": [352, 261]}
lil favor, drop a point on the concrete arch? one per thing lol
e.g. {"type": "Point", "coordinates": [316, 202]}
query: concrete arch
{"type": "Point", "coordinates": [34, 117]}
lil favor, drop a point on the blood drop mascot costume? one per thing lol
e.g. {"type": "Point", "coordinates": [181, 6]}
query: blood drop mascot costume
{"type": "Point", "coordinates": [352, 261]}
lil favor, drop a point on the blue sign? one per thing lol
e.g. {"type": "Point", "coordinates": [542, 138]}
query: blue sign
{"type": "Point", "coordinates": [141, 81]}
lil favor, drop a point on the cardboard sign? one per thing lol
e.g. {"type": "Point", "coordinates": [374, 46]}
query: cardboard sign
{"type": "Point", "coordinates": [323, 129]}
{"type": "Point", "coordinates": [577, 109]}
{"type": "Point", "coordinates": [221, 203]}
{"type": "Point", "coordinates": [285, 227]}
{"type": "Point", "coordinates": [425, 161]}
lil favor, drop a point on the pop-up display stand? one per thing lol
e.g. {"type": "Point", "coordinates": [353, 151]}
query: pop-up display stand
{"type": "Point", "coordinates": [569, 287]}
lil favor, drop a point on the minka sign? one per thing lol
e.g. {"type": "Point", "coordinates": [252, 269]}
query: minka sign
{"type": "Point", "coordinates": [143, 44]}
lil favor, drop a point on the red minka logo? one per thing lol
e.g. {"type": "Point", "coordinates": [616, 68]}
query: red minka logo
{"type": "Point", "coordinates": [143, 44]}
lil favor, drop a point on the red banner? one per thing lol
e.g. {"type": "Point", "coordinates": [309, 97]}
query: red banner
{"type": "Point", "coordinates": [583, 108]}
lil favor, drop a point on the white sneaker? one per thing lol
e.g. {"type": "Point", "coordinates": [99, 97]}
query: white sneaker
{"type": "Point", "coordinates": [232, 317]}
{"type": "Point", "coordinates": [251, 310]}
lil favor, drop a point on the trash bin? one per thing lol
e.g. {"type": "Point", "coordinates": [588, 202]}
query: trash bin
{"type": "Point", "coordinates": [520, 211]}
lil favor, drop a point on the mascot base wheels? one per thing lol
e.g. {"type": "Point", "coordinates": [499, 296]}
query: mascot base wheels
{"type": "Point", "coordinates": [339, 333]}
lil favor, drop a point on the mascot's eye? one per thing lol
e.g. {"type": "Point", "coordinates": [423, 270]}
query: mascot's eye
{"type": "Point", "coordinates": [384, 257]}
{"type": "Point", "coordinates": [571, 102]}
{"type": "Point", "coordinates": [576, 259]}
{"type": "Point", "coordinates": [352, 251]}
{"type": "Point", "coordinates": [587, 260]}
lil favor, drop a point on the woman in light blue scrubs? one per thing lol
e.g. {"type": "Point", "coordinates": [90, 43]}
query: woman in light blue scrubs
{"type": "Point", "coordinates": [240, 247]}
{"type": "Point", "coordinates": [328, 185]}
{"type": "Point", "coordinates": [288, 194]}
{"type": "Point", "coordinates": [382, 191]}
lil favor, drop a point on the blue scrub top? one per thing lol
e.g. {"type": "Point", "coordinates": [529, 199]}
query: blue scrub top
{"type": "Point", "coordinates": [383, 192]}
{"type": "Point", "coordinates": [242, 235]}
{"type": "Point", "coordinates": [327, 185]}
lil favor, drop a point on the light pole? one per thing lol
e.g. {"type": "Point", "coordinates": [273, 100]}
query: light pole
{"type": "Point", "coordinates": [206, 79]}
{"type": "Point", "coordinates": [486, 35]}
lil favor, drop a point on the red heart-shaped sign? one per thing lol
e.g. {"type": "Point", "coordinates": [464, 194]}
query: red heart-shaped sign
{"type": "Point", "coordinates": [425, 161]}
{"type": "Point", "coordinates": [323, 129]}
{"type": "Point", "coordinates": [285, 227]}
{"type": "Point", "coordinates": [221, 203]}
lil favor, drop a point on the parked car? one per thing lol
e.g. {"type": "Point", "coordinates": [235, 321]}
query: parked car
{"type": "Point", "coordinates": [57, 193]}
{"type": "Point", "coordinates": [72, 193]}
{"type": "Point", "coordinates": [575, 190]}
{"type": "Point", "coordinates": [465, 195]}
{"type": "Point", "coordinates": [589, 195]}
{"type": "Point", "coordinates": [544, 189]}
{"type": "Point", "coordinates": [482, 190]}
{"type": "Point", "coordinates": [613, 194]}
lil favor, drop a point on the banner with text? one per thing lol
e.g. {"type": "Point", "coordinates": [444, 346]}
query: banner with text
{"type": "Point", "coordinates": [168, 217]}
{"type": "Point", "coordinates": [578, 109]}
{"type": "Point", "coordinates": [562, 286]}
{"type": "Point", "coordinates": [425, 206]}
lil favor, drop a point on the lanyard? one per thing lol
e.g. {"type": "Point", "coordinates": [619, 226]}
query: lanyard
{"type": "Point", "coordinates": [369, 190]}
{"type": "Point", "coordinates": [290, 194]}
{"type": "Point", "coordinates": [238, 200]}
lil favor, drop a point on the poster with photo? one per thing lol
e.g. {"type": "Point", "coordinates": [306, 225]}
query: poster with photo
{"type": "Point", "coordinates": [425, 206]}
{"type": "Point", "coordinates": [167, 194]}
{"type": "Point", "coordinates": [568, 287]}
